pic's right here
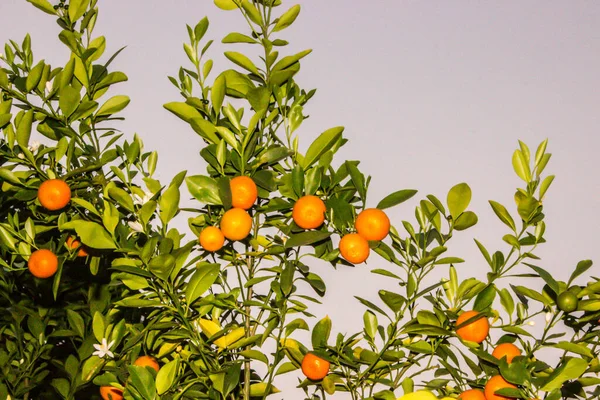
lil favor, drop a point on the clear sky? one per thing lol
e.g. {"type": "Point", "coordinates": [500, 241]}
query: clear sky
{"type": "Point", "coordinates": [431, 94]}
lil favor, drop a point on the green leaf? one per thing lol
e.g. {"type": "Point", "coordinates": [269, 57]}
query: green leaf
{"type": "Point", "coordinates": [33, 79]}
{"type": "Point", "coordinates": [321, 145]}
{"type": "Point", "coordinates": [252, 12]}
{"type": "Point", "coordinates": [305, 238]}
{"type": "Point", "coordinates": [91, 234]}
{"type": "Point", "coordinates": [255, 355]}
{"type": "Point", "coordinates": [320, 333]}
{"type": "Point", "coordinates": [24, 129]}
{"type": "Point", "coordinates": [121, 197]}
{"type": "Point", "coordinates": [582, 266]}
{"type": "Point", "coordinates": [169, 203]}
{"type": "Point", "coordinates": [287, 18]}
{"type": "Point", "coordinates": [259, 389]}
{"type": "Point", "coordinates": [201, 281]}
{"type": "Point", "coordinates": [287, 278]}
{"type": "Point", "coordinates": [521, 166]}
{"type": "Point", "coordinates": [289, 61]}
{"type": "Point", "coordinates": [9, 176]}
{"type": "Point", "coordinates": [545, 185]}
{"type": "Point", "coordinates": [576, 348]}
{"type": "Point", "coordinates": [371, 305]}
{"type": "Point", "coordinates": [235, 37]}
{"type": "Point", "coordinates": [91, 367]}
{"type": "Point", "coordinates": [485, 298]}
{"type": "Point", "coordinates": [142, 380]}
{"type": "Point", "coordinates": [504, 216]}
{"type": "Point", "coordinates": [76, 323]}
{"type": "Point", "coordinates": [204, 189]}
{"type": "Point", "coordinates": [465, 220]}
{"type": "Point", "coordinates": [201, 28]}
{"type": "Point", "coordinates": [43, 5]}
{"type": "Point", "coordinates": [393, 300]}
{"type": "Point", "coordinates": [98, 326]}
{"type": "Point", "coordinates": [458, 199]}
{"type": "Point", "coordinates": [77, 8]}
{"type": "Point", "coordinates": [226, 5]}
{"type": "Point", "coordinates": [259, 98]}
{"type": "Point", "coordinates": [113, 105]}
{"type": "Point", "coordinates": [217, 93]}
{"type": "Point", "coordinates": [545, 275]}
{"type": "Point", "coordinates": [573, 368]}
{"type": "Point", "coordinates": [242, 61]}
{"type": "Point", "coordinates": [370, 324]}
{"type": "Point", "coordinates": [396, 198]}
{"type": "Point", "coordinates": [68, 100]}
{"type": "Point", "coordinates": [183, 111]}
{"type": "Point", "coordinates": [166, 376]}
{"type": "Point", "coordinates": [515, 372]}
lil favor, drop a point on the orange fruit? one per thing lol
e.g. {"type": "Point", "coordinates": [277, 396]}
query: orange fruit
{"type": "Point", "coordinates": [476, 331]}
{"type": "Point", "coordinates": [496, 383]}
{"type": "Point", "coordinates": [309, 212]}
{"type": "Point", "coordinates": [507, 350]}
{"type": "Point", "coordinates": [147, 361]}
{"type": "Point", "coordinates": [211, 238]}
{"type": "Point", "coordinates": [54, 194]}
{"type": "Point", "coordinates": [314, 367]}
{"type": "Point", "coordinates": [354, 248]}
{"type": "Point", "coordinates": [472, 394]}
{"type": "Point", "coordinates": [74, 244]}
{"type": "Point", "coordinates": [372, 224]}
{"type": "Point", "coordinates": [243, 192]}
{"type": "Point", "coordinates": [42, 263]}
{"type": "Point", "coordinates": [111, 393]}
{"type": "Point", "coordinates": [567, 301]}
{"type": "Point", "coordinates": [236, 224]}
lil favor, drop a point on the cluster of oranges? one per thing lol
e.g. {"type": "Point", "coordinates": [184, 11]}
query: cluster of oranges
{"type": "Point", "coordinates": [477, 331]}
{"type": "Point", "coordinates": [112, 393]}
{"type": "Point", "coordinates": [371, 224]}
{"type": "Point", "coordinates": [53, 195]}
{"type": "Point", "coordinates": [236, 223]}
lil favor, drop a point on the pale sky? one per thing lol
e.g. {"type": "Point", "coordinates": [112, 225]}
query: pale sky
{"type": "Point", "coordinates": [431, 94]}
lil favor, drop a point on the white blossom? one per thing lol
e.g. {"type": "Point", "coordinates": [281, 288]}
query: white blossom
{"type": "Point", "coordinates": [548, 317]}
{"type": "Point", "coordinates": [103, 349]}
{"type": "Point", "coordinates": [141, 200]}
{"type": "Point", "coordinates": [136, 226]}
{"type": "Point", "coordinates": [21, 156]}
{"type": "Point", "coordinates": [49, 86]}
{"type": "Point", "coordinates": [531, 323]}
{"type": "Point", "coordinates": [34, 146]}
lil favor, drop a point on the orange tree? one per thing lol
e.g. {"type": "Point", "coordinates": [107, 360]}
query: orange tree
{"type": "Point", "coordinates": [218, 317]}
{"type": "Point", "coordinates": [70, 208]}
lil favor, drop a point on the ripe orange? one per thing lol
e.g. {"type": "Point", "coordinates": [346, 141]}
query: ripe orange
{"type": "Point", "coordinates": [42, 263]}
{"type": "Point", "coordinates": [74, 244]}
{"type": "Point", "coordinates": [372, 224]}
{"type": "Point", "coordinates": [354, 248]}
{"type": "Point", "coordinates": [111, 393]}
{"type": "Point", "coordinates": [147, 361]}
{"type": "Point", "coordinates": [211, 238]}
{"type": "Point", "coordinates": [496, 383]}
{"type": "Point", "coordinates": [54, 194]}
{"type": "Point", "coordinates": [243, 192]}
{"type": "Point", "coordinates": [507, 350]}
{"type": "Point", "coordinates": [236, 224]}
{"type": "Point", "coordinates": [314, 367]}
{"type": "Point", "coordinates": [309, 212]}
{"type": "Point", "coordinates": [472, 394]}
{"type": "Point", "coordinates": [476, 331]}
